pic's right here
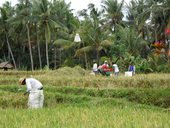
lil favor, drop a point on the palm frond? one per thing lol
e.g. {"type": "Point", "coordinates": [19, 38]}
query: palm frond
{"type": "Point", "coordinates": [62, 43]}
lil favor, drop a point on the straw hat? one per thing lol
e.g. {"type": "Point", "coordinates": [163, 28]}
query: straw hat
{"type": "Point", "coordinates": [21, 80]}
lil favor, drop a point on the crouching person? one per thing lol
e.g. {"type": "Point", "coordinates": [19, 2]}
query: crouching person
{"type": "Point", "coordinates": [35, 91]}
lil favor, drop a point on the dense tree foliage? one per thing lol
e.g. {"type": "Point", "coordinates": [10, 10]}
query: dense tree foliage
{"type": "Point", "coordinates": [39, 34]}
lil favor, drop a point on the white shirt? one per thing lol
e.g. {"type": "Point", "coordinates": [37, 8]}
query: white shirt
{"type": "Point", "coordinates": [116, 69]}
{"type": "Point", "coordinates": [95, 67]}
{"type": "Point", "coordinates": [33, 84]}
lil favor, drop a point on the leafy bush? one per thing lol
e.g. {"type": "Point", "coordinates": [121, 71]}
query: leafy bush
{"type": "Point", "coordinates": [164, 68]}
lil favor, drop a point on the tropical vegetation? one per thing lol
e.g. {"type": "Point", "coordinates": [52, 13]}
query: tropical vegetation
{"type": "Point", "coordinates": [39, 34]}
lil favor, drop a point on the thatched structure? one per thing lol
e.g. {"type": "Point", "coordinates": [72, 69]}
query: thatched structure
{"type": "Point", "coordinates": [6, 65]}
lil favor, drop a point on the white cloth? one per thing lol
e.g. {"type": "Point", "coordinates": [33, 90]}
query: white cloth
{"type": "Point", "coordinates": [33, 84]}
{"type": "Point", "coordinates": [116, 69]}
{"type": "Point", "coordinates": [36, 99]}
{"type": "Point", "coordinates": [95, 67]}
{"type": "Point", "coordinates": [128, 73]}
{"type": "Point", "coordinates": [134, 70]}
{"type": "Point", "coordinates": [36, 96]}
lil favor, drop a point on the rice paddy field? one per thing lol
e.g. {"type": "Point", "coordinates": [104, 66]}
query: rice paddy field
{"type": "Point", "coordinates": [76, 99]}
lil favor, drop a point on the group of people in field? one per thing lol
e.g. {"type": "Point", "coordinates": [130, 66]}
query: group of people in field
{"type": "Point", "coordinates": [35, 87]}
{"type": "Point", "coordinates": [107, 70]}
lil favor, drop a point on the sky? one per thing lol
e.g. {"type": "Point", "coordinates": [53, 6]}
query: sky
{"type": "Point", "coordinates": [82, 4]}
{"type": "Point", "coordinates": [13, 2]}
{"type": "Point", "coordinates": [77, 5]}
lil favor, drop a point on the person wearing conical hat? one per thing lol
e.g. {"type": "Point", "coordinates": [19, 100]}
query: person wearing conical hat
{"type": "Point", "coordinates": [35, 91]}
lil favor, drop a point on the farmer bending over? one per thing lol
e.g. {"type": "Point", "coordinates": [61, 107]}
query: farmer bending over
{"type": "Point", "coordinates": [35, 91]}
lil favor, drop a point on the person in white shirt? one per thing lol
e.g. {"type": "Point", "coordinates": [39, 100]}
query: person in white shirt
{"type": "Point", "coordinates": [35, 91]}
{"type": "Point", "coordinates": [116, 69]}
{"type": "Point", "coordinates": [95, 68]}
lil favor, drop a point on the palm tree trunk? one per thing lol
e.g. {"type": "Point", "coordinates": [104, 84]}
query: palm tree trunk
{"type": "Point", "coordinates": [98, 57]}
{"type": "Point", "coordinates": [30, 49]}
{"type": "Point", "coordinates": [55, 57]}
{"type": "Point", "coordinates": [39, 53]}
{"type": "Point", "coordinates": [46, 46]}
{"type": "Point", "coordinates": [60, 50]}
{"type": "Point", "coordinates": [85, 57]}
{"type": "Point", "coordinates": [97, 54]}
{"type": "Point", "coordinates": [9, 47]}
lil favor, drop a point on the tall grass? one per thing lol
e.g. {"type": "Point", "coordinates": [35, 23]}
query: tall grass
{"type": "Point", "coordinates": [75, 99]}
{"type": "Point", "coordinates": [85, 117]}
{"type": "Point", "coordinates": [84, 79]}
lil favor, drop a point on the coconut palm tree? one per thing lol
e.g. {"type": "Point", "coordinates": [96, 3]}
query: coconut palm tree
{"type": "Point", "coordinates": [38, 31]}
{"type": "Point", "coordinates": [22, 19]}
{"type": "Point", "coordinates": [6, 11]}
{"type": "Point", "coordinates": [47, 21]}
{"type": "Point", "coordinates": [134, 14]}
{"type": "Point", "coordinates": [140, 12]}
{"type": "Point", "coordinates": [92, 31]}
{"type": "Point", "coordinates": [155, 17]}
{"type": "Point", "coordinates": [113, 11]}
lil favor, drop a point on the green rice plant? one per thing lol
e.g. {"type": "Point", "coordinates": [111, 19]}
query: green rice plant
{"type": "Point", "coordinates": [67, 116]}
{"type": "Point", "coordinates": [72, 77]}
{"type": "Point", "coordinates": [85, 101]}
{"type": "Point", "coordinates": [70, 94]}
{"type": "Point", "coordinates": [151, 89]}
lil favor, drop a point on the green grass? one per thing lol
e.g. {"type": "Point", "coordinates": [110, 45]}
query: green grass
{"type": "Point", "coordinates": [54, 95]}
{"type": "Point", "coordinates": [66, 116]}
{"type": "Point", "coordinates": [78, 100]}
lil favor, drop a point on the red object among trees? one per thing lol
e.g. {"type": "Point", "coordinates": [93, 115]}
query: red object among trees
{"type": "Point", "coordinates": [167, 31]}
{"type": "Point", "coordinates": [106, 68]}
{"type": "Point", "coordinates": [159, 44]}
